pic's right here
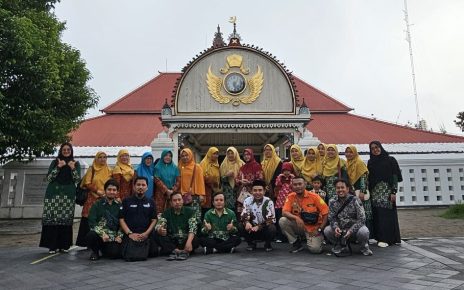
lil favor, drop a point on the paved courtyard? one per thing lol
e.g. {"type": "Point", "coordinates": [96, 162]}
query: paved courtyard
{"type": "Point", "coordinates": [418, 263]}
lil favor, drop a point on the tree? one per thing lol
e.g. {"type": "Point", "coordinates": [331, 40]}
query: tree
{"type": "Point", "coordinates": [460, 121]}
{"type": "Point", "coordinates": [43, 81]}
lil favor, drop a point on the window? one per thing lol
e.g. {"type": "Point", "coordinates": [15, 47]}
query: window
{"type": "Point", "coordinates": [412, 179]}
{"type": "Point", "coordinates": [425, 188]}
{"type": "Point", "coordinates": [401, 189]}
{"type": "Point", "coordinates": [414, 198]}
{"type": "Point", "coordinates": [412, 171]}
{"type": "Point", "coordinates": [451, 197]}
{"type": "Point", "coordinates": [424, 178]}
{"type": "Point", "coordinates": [448, 170]}
{"type": "Point", "coordinates": [426, 198]}
{"type": "Point", "coordinates": [461, 169]}
{"type": "Point", "coordinates": [450, 187]}
{"type": "Point", "coordinates": [450, 178]}
{"type": "Point", "coordinates": [401, 198]}
{"type": "Point", "coordinates": [423, 170]}
{"type": "Point", "coordinates": [462, 187]}
{"type": "Point", "coordinates": [436, 170]}
{"type": "Point", "coordinates": [437, 188]}
{"type": "Point", "coordinates": [437, 178]}
{"type": "Point", "coordinates": [461, 178]}
{"type": "Point", "coordinates": [413, 188]}
{"type": "Point", "coordinates": [439, 198]}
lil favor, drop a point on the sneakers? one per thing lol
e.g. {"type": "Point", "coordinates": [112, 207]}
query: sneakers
{"type": "Point", "coordinates": [205, 251]}
{"type": "Point", "coordinates": [52, 252]}
{"type": "Point", "coordinates": [382, 245]}
{"type": "Point", "coordinates": [94, 256]}
{"type": "Point", "coordinates": [366, 252]}
{"type": "Point", "coordinates": [172, 256]}
{"type": "Point", "coordinates": [64, 250]}
{"type": "Point", "coordinates": [337, 249]}
{"type": "Point", "coordinates": [232, 250]}
{"type": "Point", "coordinates": [296, 246]}
{"type": "Point", "coordinates": [182, 256]}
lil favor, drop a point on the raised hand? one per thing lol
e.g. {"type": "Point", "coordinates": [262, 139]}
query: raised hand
{"type": "Point", "coordinates": [230, 226]}
{"type": "Point", "coordinates": [61, 163]}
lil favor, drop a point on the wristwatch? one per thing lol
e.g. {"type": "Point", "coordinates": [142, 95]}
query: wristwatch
{"type": "Point", "coordinates": [129, 232]}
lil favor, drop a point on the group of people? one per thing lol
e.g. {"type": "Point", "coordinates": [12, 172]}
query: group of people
{"type": "Point", "coordinates": [314, 196]}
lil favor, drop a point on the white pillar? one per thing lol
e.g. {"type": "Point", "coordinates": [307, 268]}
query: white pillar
{"type": "Point", "coordinates": [161, 142]}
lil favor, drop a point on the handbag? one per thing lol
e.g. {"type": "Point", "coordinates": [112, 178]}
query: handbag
{"type": "Point", "coordinates": [135, 251]}
{"type": "Point", "coordinates": [82, 193]}
{"type": "Point", "coordinates": [187, 197]}
{"type": "Point", "coordinates": [309, 218]}
{"type": "Point", "coordinates": [367, 195]}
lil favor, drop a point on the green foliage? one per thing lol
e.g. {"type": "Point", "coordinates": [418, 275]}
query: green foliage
{"type": "Point", "coordinates": [43, 81]}
{"type": "Point", "coordinates": [460, 121]}
{"type": "Point", "coordinates": [455, 211]}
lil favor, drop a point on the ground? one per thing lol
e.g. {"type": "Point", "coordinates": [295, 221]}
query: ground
{"type": "Point", "coordinates": [431, 257]}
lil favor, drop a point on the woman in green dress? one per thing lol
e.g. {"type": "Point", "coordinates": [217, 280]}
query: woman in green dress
{"type": "Point", "coordinates": [333, 168]}
{"type": "Point", "coordinates": [58, 213]}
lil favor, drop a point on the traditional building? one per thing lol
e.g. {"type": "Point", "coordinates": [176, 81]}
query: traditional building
{"type": "Point", "coordinates": [240, 95]}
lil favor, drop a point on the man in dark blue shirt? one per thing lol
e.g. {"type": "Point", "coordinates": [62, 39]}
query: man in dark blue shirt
{"type": "Point", "coordinates": [138, 216]}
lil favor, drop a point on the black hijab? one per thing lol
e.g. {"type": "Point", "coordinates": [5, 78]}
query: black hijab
{"type": "Point", "coordinates": [65, 175]}
{"type": "Point", "coordinates": [382, 167]}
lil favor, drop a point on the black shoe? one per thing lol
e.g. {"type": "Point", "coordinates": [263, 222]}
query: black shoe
{"type": "Point", "coordinates": [268, 247]}
{"type": "Point", "coordinates": [297, 246]}
{"type": "Point", "coordinates": [94, 256]}
{"type": "Point", "coordinates": [251, 247]}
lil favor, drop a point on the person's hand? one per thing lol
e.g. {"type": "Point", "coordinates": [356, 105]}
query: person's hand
{"type": "Point", "coordinates": [230, 226]}
{"type": "Point", "coordinates": [118, 200]}
{"type": "Point", "coordinates": [299, 222]}
{"type": "Point", "coordinates": [361, 196]}
{"type": "Point", "coordinates": [188, 247]}
{"type": "Point", "coordinates": [118, 240]}
{"type": "Point", "coordinates": [255, 229]}
{"type": "Point", "coordinates": [162, 231]}
{"type": "Point", "coordinates": [105, 238]}
{"type": "Point", "coordinates": [72, 164]}
{"type": "Point", "coordinates": [230, 173]}
{"type": "Point", "coordinates": [348, 234]}
{"type": "Point", "coordinates": [245, 181]}
{"type": "Point", "coordinates": [248, 227]}
{"type": "Point", "coordinates": [143, 236]}
{"type": "Point", "coordinates": [134, 237]}
{"type": "Point", "coordinates": [393, 198]}
{"type": "Point", "coordinates": [61, 163]}
{"type": "Point", "coordinates": [208, 226]}
{"type": "Point", "coordinates": [100, 193]}
{"type": "Point", "coordinates": [202, 198]}
{"type": "Point", "coordinates": [338, 232]}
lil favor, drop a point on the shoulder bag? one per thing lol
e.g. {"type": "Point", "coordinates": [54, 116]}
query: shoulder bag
{"type": "Point", "coordinates": [82, 193]}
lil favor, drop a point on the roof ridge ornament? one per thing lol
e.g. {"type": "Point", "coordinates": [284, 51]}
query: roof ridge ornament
{"type": "Point", "coordinates": [234, 37]}
{"type": "Point", "coordinates": [218, 41]}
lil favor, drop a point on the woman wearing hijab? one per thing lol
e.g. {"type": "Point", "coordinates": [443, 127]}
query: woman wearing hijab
{"type": "Point", "coordinates": [312, 165]}
{"type": "Point", "coordinates": [384, 175]}
{"type": "Point", "coordinates": [211, 175]}
{"type": "Point", "coordinates": [358, 177]}
{"type": "Point", "coordinates": [230, 168]}
{"type": "Point", "coordinates": [249, 172]}
{"type": "Point", "coordinates": [123, 173]}
{"type": "Point", "coordinates": [94, 180]}
{"type": "Point", "coordinates": [272, 167]}
{"type": "Point", "coordinates": [146, 168]}
{"type": "Point", "coordinates": [322, 147]}
{"type": "Point", "coordinates": [192, 183]}
{"type": "Point", "coordinates": [167, 180]}
{"type": "Point", "coordinates": [334, 168]}
{"type": "Point", "coordinates": [297, 159]}
{"type": "Point", "coordinates": [58, 213]}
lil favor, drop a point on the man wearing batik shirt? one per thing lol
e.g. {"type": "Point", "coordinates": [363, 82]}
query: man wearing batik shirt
{"type": "Point", "coordinates": [258, 217]}
{"type": "Point", "coordinates": [220, 226]}
{"type": "Point", "coordinates": [347, 219]}
{"type": "Point", "coordinates": [176, 229]}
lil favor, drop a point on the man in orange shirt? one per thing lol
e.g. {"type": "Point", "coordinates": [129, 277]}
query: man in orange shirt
{"type": "Point", "coordinates": [304, 217]}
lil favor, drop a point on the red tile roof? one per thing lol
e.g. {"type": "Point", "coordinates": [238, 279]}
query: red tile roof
{"type": "Point", "coordinates": [346, 128]}
{"type": "Point", "coordinates": [118, 130]}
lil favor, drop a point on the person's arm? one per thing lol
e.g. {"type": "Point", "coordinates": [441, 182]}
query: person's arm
{"type": "Point", "coordinates": [53, 171]}
{"type": "Point", "coordinates": [360, 216]}
{"type": "Point", "coordinates": [332, 218]}
{"type": "Point", "coordinates": [286, 212]}
{"type": "Point", "coordinates": [147, 233]}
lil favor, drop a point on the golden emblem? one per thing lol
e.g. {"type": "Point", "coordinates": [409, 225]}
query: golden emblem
{"type": "Point", "coordinates": [234, 84]}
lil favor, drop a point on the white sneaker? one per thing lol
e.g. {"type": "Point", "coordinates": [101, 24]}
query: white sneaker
{"type": "Point", "coordinates": [382, 245]}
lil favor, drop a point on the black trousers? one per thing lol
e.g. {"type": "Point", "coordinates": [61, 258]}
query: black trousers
{"type": "Point", "coordinates": [110, 250]}
{"type": "Point", "coordinates": [266, 233]}
{"type": "Point", "coordinates": [169, 244]}
{"type": "Point", "coordinates": [220, 245]}
{"type": "Point", "coordinates": [84, 229]}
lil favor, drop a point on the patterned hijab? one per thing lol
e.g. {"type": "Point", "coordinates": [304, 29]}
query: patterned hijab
{"type": "Point", "coordinates": [125, 170]}
{"type": "Point", "coordinates": [210, 168]}
{"type": "Point", "coordinates": [270, 164]}
{"type": "Point", "coordinates": [234, 166]}
{"type": "Point", "coordinates": [147, 171]}
{"type": "Point", "coordinates": [355, 167]}
{"type": "Point", "coordinates": [251, 167]}
{"type": "Point", "coordinates": [331, 165]}
{"type": "Point", "coordinates": [299, 160]}
{"type": "Point", "coordinates": [167, 172]}
{"type": "Point", "coordinates": [312, 168]}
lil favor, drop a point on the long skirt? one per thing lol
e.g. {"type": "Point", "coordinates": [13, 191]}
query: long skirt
{"type": "Point", "coordinates": [56, 237]}
{"type": "Point", "coordinates": [386, 227]}
{"type": "Point", "coordinates": [84, 229]}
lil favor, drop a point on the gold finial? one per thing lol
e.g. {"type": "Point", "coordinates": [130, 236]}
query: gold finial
{"type": "Point", "coordinates": [233, 19]}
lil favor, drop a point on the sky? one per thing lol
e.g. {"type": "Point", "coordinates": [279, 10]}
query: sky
{"type": "Point", "coordinates": [353, 50]}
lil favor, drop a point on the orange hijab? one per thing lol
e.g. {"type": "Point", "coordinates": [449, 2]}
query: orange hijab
{"type": "Point", "coordinates": [186, 175]}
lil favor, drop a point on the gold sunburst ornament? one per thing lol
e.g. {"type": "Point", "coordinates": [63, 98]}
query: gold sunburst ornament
{"type": "Point", "coordinates": [235, 87]}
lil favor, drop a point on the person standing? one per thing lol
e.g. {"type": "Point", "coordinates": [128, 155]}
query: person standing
{"type": "Point", "coordinates": [211, 175]}
{"type": "Point", "coordinates": [146, 168]}
{"type": "Point", "coordinates": [123, 173]}
{"type": "Point", "coordinates": [167, 180]}
{"type": "Point", "coordinates": [312, 165]}
{"type": "Point", "coordinates": [297, 158]}
{"type": "Point", "coordinates": [230, 168]}
{"type": "Point", "coordinates": [94, 180]}
{"type": "Point", "coordinates": [272, 166]}
{"type": "Point", "coordinates": [249, 172]}
{"type": "Point", "coordinates": [58, 213]}
{"type": "Point", "coordinates": [384, 175]}
{"type": "Point", "coordinates": [192, 183]}
{"type": "Point", "coordinates": [333, 168]}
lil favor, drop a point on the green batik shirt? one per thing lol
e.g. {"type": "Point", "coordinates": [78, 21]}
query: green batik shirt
{"type": "Point", "coordinates": [219, 224]}
{"type": "Point", "coordinates": [180, 225]}
{"type": "Point", "coordinates": [103, 218]}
